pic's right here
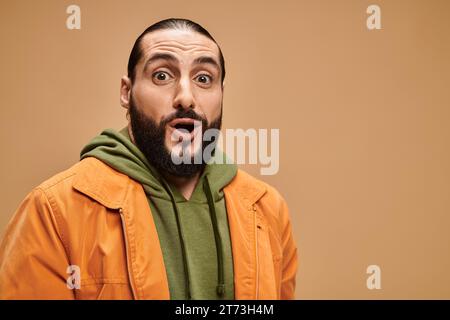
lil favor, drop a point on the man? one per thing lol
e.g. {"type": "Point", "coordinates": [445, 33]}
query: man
{"type": "Point", "coordinates": [128, 222]}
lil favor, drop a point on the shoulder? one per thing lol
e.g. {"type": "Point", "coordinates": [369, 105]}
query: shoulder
{"type": "Point", "coordinates": [90, 177]}
{"type": "Point", "coordinates": [263, 199]}
{"type": "Point", "coordinates": [65, 180]}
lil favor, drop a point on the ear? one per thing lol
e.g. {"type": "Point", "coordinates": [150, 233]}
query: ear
{"type": "Point", "coordinates": [125, 92]}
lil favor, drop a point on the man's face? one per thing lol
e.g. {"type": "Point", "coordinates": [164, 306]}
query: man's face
{"type": "Point", "coordinates": [178, 80]}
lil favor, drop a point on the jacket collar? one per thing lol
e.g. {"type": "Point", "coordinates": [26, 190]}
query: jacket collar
{"type": "Point", "coordinates": [248, 189]}
{"type": "Point", "coordinates": [109, 187]}
{"type": "Point", "coordinates": [102, 183]}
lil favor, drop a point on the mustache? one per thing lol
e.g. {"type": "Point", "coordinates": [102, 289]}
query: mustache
{"type": "Point", "coordinates": [183, 113]}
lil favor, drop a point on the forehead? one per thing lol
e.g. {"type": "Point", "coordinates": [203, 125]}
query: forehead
{"type": "Point", "coordinates": [181, 42]}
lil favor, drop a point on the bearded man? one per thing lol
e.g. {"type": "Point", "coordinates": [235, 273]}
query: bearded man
{"type": "Point", "coordinates": [129, 222]}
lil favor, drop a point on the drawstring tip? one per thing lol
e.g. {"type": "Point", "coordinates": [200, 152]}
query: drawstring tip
{"type": "Point", "coordinates": [220, 289]}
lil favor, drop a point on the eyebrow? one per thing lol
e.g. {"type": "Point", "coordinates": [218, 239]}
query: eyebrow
{"type": "Point", "coordinates": [171, 58]}
{"type": "Point", "coordinates": [208, 60]}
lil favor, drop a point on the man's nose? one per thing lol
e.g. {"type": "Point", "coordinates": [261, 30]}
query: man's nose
{"type": "Point", "coordinates": [184, 97]}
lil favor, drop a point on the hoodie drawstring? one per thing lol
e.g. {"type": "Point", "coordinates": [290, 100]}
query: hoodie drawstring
{"type": "Point", "coordinates": [180, 234]}
{"type": "Point", "coordinates": [220, 289]}
{"type": "Point", "coordinates": [212, 211]}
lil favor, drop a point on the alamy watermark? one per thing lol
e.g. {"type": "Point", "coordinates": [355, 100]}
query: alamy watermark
{"type": "Point", "coordinates": [373, 21]}
{"type": "Point", "coordinates": [74, 279]}
{"type": "Point", "coordinates": [261, 149]}
{"type": "Point", "coordinates": [374, 280]}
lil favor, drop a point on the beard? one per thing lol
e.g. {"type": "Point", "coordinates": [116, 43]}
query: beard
{"type": "Point", "coordinates": [150, 136]}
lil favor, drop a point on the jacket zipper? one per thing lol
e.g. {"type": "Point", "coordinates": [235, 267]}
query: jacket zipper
{"type": "Point", "coordinates": [256, 253]}
{"type": "Point", "coordinates": [127, 251]}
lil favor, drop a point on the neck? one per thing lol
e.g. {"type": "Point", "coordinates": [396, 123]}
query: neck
{"type": "Point", "coordinates": [185, 185]}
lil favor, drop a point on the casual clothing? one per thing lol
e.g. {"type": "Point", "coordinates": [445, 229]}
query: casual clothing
{"type": "Point", "coordinates": [132, 235]}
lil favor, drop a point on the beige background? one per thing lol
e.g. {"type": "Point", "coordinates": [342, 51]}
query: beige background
{"type": "Point", "coordinates": [363, 118]}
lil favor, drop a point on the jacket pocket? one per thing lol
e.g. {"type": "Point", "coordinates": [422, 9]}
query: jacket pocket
{"type": "Point", "coordinates": [104, 289]}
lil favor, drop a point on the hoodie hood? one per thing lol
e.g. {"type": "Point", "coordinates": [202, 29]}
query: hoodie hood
{"type": "Point", "coordinates": [116, 149]}
{"type": "Point", "coordinates": [178, 220]}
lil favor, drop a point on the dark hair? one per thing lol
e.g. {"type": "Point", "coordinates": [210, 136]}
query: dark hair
{"type": "Point", "coordinates": [172, 23]}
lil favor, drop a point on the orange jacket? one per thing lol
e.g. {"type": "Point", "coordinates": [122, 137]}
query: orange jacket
{"type": "Point", "coordinates": [98, 219]}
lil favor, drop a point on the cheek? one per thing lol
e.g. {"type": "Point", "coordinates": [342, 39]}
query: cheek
{"type": "Point", "coordinates": [152, 101]}
{"type": "Point", "coordinates": [212, 104]}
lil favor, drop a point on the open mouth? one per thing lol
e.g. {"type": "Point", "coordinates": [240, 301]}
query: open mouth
{"type": "Point", "coordinates": [186, 126]}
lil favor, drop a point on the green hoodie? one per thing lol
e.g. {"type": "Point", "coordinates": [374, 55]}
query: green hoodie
{"type": "Point", "coordinates": [193, 234]}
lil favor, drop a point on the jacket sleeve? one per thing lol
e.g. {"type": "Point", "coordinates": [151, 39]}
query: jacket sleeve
{"type": "Point", "coordinates": [290, 259]}
{"type": "Point", "coordinates": [33, 260]}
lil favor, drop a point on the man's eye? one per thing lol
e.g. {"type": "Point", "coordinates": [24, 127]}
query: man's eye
{"type": "Point", "coordinates": [161, 75]}
{"type": "Point", "coordinates": [204, 78]}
